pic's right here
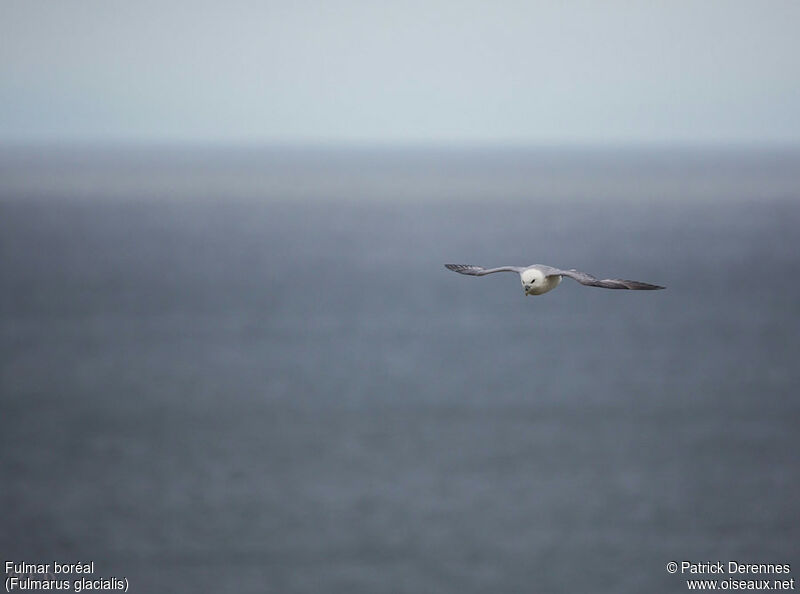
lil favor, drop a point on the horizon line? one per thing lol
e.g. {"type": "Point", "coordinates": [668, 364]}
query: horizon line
{"type": "Point", "coordinates": [131, 143]}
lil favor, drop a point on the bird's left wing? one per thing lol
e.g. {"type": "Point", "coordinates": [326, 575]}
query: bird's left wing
{"type": "Point", "coordinates": [607, 283]}
{"type": "Point", "coordinates": [480, 270]}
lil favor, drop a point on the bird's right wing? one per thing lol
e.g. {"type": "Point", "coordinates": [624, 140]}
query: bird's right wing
{"type": "Point", "coordinates": [480, 270]}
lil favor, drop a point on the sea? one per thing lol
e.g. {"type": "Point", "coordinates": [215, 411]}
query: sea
{"type": "Point", "coordinates": [246, 369]}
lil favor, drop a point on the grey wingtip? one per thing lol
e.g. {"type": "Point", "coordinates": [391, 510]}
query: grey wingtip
{"type": "Point", "coordinates": [639, 286]}
{"type": "Point", "coordinates": [654, 287]}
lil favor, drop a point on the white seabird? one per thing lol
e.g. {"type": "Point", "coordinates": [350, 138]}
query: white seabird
{"type": "Point", "coordinates": [538, 279]}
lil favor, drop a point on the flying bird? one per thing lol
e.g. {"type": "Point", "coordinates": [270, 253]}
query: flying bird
{"type": "Point", "coordinates": [538, 279]}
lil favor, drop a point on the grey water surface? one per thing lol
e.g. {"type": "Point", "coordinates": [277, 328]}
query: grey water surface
{"type": "Point", "coordinates": [247, 370]}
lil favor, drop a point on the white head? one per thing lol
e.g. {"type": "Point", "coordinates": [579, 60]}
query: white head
{"type": "Point", "coordinates": [533, 281]}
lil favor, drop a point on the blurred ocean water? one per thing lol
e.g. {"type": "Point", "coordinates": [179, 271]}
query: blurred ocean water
{"type": "Point", "coordinates": [248, 371]}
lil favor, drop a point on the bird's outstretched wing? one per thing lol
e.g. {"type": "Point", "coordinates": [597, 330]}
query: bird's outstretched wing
{"type": "Point", "coordinates": [607, 283]}
{"type": "Point", "coordinates": [480, 270]}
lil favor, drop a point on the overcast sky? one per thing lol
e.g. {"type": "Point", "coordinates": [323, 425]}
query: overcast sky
{"type": "Point", "coordinates": [407, 71]}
